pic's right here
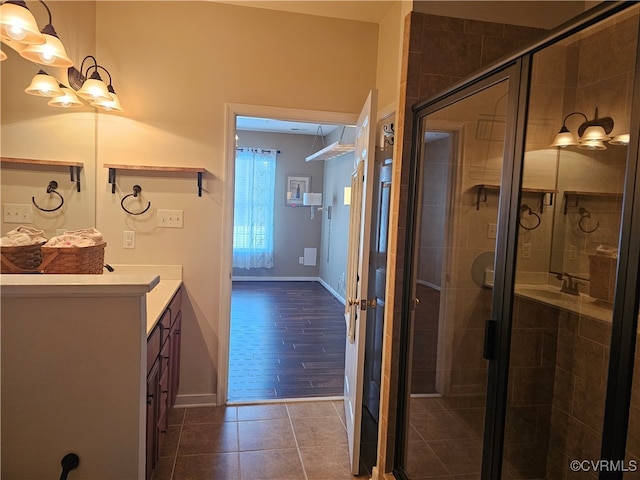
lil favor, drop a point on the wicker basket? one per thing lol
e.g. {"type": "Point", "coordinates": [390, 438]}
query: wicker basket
{"type": "Point", "coordinates": [77, 260]}
{"type": "Point", "coordinates": [21, 259]}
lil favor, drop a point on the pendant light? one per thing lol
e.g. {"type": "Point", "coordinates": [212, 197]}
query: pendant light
{"type": "Point", "coordinates": [51, 52]}
{"type": "Point", "coordinates": [18, 25]}
{"type": "Point", "coordinates": [111, 104]}
{"type": "Point", "coordinates": [565, 138]}
{"type": "Point", "coordinates": [44, 85]}
{"type": "Point", "coordinates": [68, 99]}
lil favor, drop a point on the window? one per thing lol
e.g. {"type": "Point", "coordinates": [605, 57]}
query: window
{"type": "Point", "coordinates": [253, 208]}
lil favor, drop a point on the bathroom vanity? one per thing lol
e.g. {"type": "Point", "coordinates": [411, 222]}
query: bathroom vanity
{"type": "Point", "coordinates": [90, 365]}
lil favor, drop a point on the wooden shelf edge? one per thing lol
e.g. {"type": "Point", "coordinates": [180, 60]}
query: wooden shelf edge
{"type": "Point", "coordinates": [33, 161]}
{"type": "Point", "coordinates": [155, 168]}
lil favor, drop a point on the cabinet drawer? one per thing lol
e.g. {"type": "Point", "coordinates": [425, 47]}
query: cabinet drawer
{"type": "Point", "coordinates": [165, 325]}
{"type": "Point", "coordinates": [153, 348]}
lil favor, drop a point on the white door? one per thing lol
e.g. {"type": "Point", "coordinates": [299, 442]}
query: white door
{"type": "Point", "coordinates": [357, 275]}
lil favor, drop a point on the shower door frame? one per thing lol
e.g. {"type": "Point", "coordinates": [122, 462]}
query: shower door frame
{"type": "Point", "coordinates": [517, 69]}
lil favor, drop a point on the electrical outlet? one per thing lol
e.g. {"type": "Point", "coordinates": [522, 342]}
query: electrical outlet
{"type": "Point", "coordinates": [17, 213]}
{"type": "Point", "coordinates": [573, 252]}
{"type": "Point", "coordinates": [170, 218]}
{"type": "Point", "coordinates": [128, 239]}
{"type": "Point", "coordinates": [492, 229]}
{"type": "Point", "coordinates": [301, 260]}
{"type": "Point", "coordinates": [526, 250]}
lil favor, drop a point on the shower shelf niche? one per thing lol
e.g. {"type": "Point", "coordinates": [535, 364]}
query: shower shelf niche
{"type": "Point", "coordinates": [483, 189]}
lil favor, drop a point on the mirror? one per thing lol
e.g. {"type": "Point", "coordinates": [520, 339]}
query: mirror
{"type": "Point", "coordinates": [33, 130]}
{"type": "Point", "coordinates": [573, 82]}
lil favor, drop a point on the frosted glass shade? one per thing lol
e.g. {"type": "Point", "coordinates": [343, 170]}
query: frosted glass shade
{"type": "Point", "coordinates": [594, 132]}
{"type": "Point", "coordinates": [17, 24]}
{"type": "Point", "coordinates": [620, 139]}
{"type": "Point", "coordinates": [564, 139]}
{"type": "Point", "coordinates": [50, 53]}
{"type": "Point", "coordinates": [592, 145]}
{"type": "Point", "coordinates": [43, 85]}
{"type": "Point", "coordinates": [109, 105]}
{"type": "Point", "coordinates": [312, 199]}
{"type": "Point", "coordinates": [68, 99]}
{"type": "Point", "coordinates": [94, 90]}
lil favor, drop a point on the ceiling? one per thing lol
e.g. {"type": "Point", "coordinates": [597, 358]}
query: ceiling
{"type": "Point", "coordinates": [372, 11]}
{"type": "Point", "coordinates": [282, 126]}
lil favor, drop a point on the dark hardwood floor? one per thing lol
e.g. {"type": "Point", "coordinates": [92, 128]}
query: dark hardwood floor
{"type": "Point", "coordinates": [287, 341]}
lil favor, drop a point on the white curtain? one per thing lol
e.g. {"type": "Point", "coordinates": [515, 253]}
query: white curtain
{"type": "Point", "coordinates": [253, 208]}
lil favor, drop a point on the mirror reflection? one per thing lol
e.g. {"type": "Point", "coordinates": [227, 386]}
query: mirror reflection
{"type": "Point", "coordinates": [42, 144]}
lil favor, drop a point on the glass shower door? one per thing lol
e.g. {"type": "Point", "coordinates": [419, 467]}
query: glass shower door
{"type": "Point", "coordinates": [456, 216]}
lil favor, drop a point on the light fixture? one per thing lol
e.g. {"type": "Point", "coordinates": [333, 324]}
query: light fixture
{"type": "Point", "coordinates": [591, 133]}
{"type": "Point", "coordinates": [51, 52]}
{"type": "Point", "coordinates": [68, 99]}
{"type": "Point", "coordinates": [313, 200]}
{"type": "Point", "coordinates": [44, 85]}
{"type": "Point", "coordinates": [92, 88]}
{"type": "Point", "coordinates": [17, 24]}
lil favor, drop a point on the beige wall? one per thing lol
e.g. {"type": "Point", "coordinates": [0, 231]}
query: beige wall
{"type": "Point", "coordinates": [174, 81]}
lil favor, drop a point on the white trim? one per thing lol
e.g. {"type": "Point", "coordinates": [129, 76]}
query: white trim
{"type": "Point", "coordinates": [232, 110]}
{"type": "Point", "coordinates": [274, 279]}
{"type": "Point", "coordinates": [203, 400]}
{"type": "Point", "coordinates": [429, 284]}
{"type": "Point", "coordinates": [332, 291]}
{"type": "Point", "coordinates": [425, 395]}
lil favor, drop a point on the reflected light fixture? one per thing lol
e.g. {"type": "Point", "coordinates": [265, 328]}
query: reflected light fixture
{"type": "Point", "coordinates": [44, 85]}
{"type": "Point", "coordinates": [17, 24]}
{"type": "Point", "coordinates": [68, 99]}
{"type": "Point", "coordinates": [591, 133]}
{"type": "Point", "coordinates": [51, 52]}
{"type": "Point", "coordinates": [313, 200]}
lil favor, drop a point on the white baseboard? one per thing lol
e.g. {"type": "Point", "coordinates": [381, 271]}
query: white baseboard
{"type": "Point", "coordinates": [332, 291]}
{"type": "Point", "coordinates": [274, 279]}
{"type": "Point", "coordinates": [202, 400]}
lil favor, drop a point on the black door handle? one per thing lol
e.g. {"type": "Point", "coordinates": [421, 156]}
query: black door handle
{"type": "Point", "coordinates": [488, 351]}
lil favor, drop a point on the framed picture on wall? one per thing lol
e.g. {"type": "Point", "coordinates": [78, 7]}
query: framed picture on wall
{"type": "Point", "coordinates": [296, 187]}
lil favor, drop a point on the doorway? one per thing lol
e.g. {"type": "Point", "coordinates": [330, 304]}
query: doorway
{"type": "Point", "coordinates": [303, 283]}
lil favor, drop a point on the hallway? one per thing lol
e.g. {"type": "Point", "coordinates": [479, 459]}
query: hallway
{"type": "Point", "coordinates": [283, 441]}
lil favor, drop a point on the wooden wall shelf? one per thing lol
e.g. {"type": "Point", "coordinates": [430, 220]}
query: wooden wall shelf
{"type": "Point", "coordinates": [74, 167]}
{"type": "Point", "coordinates": [577, 194]}
{"type": "Point", "coordinates": [153, 168]}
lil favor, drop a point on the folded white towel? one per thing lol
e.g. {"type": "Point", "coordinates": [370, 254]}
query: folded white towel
{"type": "Point", "coordinates": [91, 233]}
{"type": "Point", "coordinates": [69, 241]}
{"type": "Point", "coordinates": [23, 236]}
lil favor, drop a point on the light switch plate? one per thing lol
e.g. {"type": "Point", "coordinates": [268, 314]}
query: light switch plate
{"type": "Point", "coordinates": [17, 213]}
{"type": "Point", "coordinates": [170, 218]}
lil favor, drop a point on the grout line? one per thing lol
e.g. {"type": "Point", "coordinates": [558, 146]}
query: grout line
{"type": "Point", "coordinates": [295, 438]}
{"type": "Point", "coordinates": [175, 457]}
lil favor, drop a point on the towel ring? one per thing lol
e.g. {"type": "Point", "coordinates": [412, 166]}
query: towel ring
{"type": "Point", "coordinates": [51, 188]}
{"type": "Point", "coordinates": [136, 190]}
{"type": "Point", "coordinates": [584, 213]}
{"type": "Point", "coordinates": [527, 208]}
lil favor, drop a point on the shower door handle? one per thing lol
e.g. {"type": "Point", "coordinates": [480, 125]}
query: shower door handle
{"type": "Point", "coordinates": [488, 352]}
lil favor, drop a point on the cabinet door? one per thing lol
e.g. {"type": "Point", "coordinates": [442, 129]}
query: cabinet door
{"type": "Point", "coordinates": [174, 378]}
{"type": "Point", "coordinates": [153, 394]}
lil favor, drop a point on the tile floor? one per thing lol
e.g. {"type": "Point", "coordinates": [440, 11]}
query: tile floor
{"type": "Point", "coordinates": [284, 441]}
